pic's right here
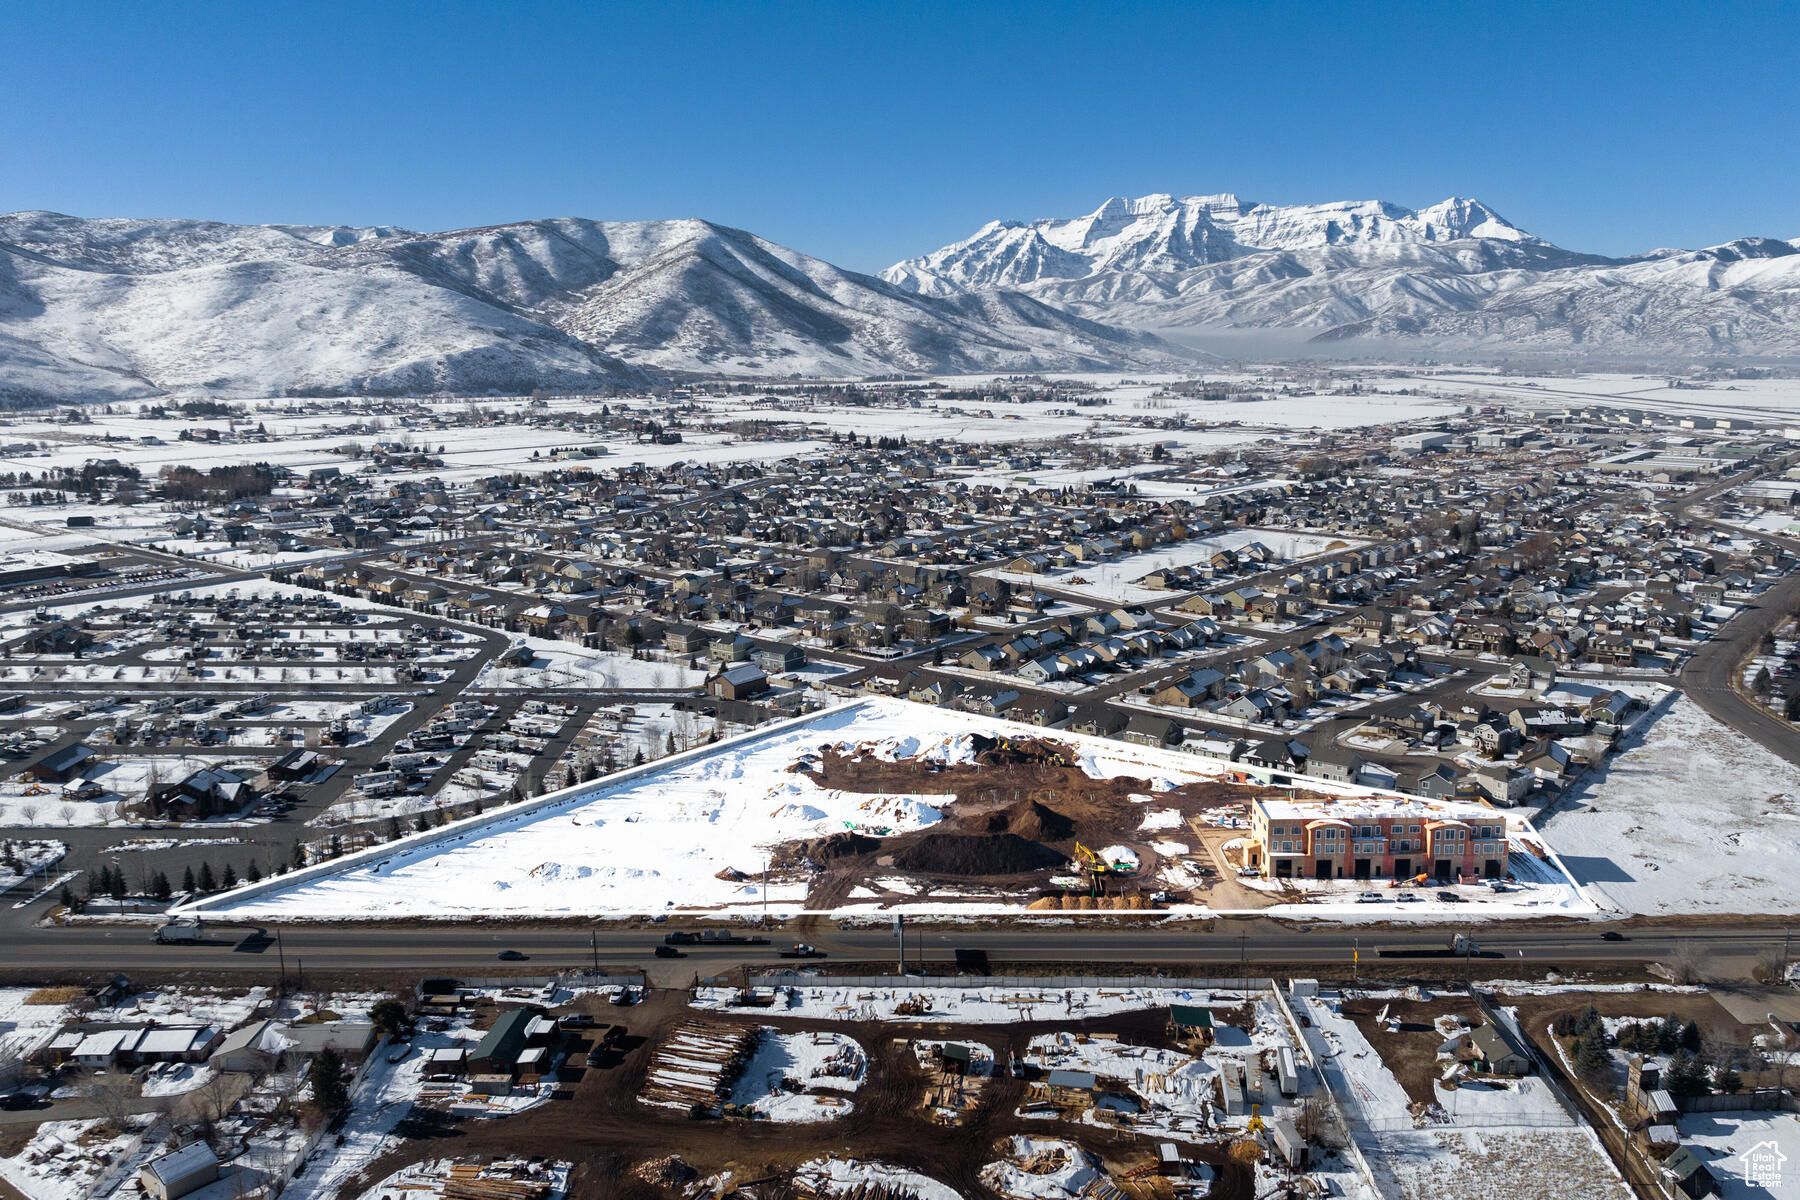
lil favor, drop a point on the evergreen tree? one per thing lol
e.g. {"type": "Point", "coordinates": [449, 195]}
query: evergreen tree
{"type": "Point", "coordinates": [208, 882]}
{"type": "Point", "coordinates": [159, 887]}
{"type": "Point", "coordinates": [420, 824]}
{"type": "Point", "coordinates": [388, 1016]}
{"type": "Point", "coordinates": [329, 1093]}
{"type": "Point", "coordinates": [1591, 1059]}
{"type": "Point", "coordinates": [393, 829]}
{"type": "Point", "coordinates": [1690, 1037]}
{"type": "Point", "coordinates": [187, 881]}
{"type": "Point", "coordinates": [1726, 1079]}
{"type": "Point", "coordinates": [298, 857]}
{"type": "Point", "coordinates": [115, 884]}
{"type": "Point", "coordinates": [230, 879]}
{"type": "Point", "coordinates": [1685, 1077]}
{"type": "Point", "coordinates": [67, 899]}
{"type": "Point", "coordinates": [254, 874]}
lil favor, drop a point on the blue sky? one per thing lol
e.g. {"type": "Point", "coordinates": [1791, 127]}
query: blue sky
{"type": "Point", "coordinates": [865, 133]}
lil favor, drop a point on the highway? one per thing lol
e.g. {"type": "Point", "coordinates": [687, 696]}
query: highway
{"type": "Point", "coordinates": [415, 949]}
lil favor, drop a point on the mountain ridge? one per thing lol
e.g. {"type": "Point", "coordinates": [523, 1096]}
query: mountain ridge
{"type": "Point", "coordinates": [119, 307]}
{"type": "Point", "coordinates": [1454, 275]}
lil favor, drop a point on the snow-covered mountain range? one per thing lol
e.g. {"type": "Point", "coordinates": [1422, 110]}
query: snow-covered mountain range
{"type": "Point", "coordinates": [1456, 274]}
{"type": "Point", "coordinates": [118, 308]}
{"type": "Point", "coordinates": [111, 309]}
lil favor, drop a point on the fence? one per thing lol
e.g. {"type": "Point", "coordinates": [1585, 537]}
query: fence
{"type": "Point", "coordinates": [1755, 1100]}
{"type": "Point", "coordinates": [284, 1175]}
{"type": "Point", "coordinates": [571, 979]}
{"type": "Point", "coordinates": [1304, 1047]}
{"type": "Point", "coordinates": [975, 982]}
{"type": "Point", "coordinates": [1499, 1018]}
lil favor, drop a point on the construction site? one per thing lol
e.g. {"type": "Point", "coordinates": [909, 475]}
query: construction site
{"type": "Point", "coordinates": [1024, 820]}
{"type": "Point", "coordinates": [685, 1111]}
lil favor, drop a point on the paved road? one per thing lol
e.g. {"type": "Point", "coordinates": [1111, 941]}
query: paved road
{"type": "Point", "coordinates": [246, 949]}
{"type": "Point", "coordinates": [1708, 676]}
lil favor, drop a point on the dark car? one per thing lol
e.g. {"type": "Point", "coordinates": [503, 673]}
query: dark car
{"type": "Point", "coordinates": [596, 1057]}
{"type": "Point", "coordinates": [1449, 897]}
{"type": "Point", "coordinates": [512, 956]}
{"type": "Point", "coordinates": [19, 1101]}
{"type": "Point", "coordinates": [669, 952]}
{"type": "Point", "coordinates": [1611, 935]}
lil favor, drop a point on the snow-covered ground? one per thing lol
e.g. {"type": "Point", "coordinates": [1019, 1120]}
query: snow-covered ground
{"type": "Point", "coordinates": [1753, 1155]}
{"type": "Point", "coordinates": [801, 1076]}
{"type": "Point", "coordinates": [1494, 1141]}
{"type": "Point", "coordinates": [837, 1176]}
{"type": "Point", "coordinates": [425, 1181]}
{"type": "Point", "coordinates": [1066, 1172]}
{"type": "Point", "coordinates": [692, 832]}
{"type": "Point", "coordinates": [1691, 817]}
{"type": "Point", "coordinates": [565, 665]}
{"type": "Point", "coordinates": [69, 1160]}
{"type": "Point", "coordinates": [1117, 581]}
{"type": "Point", "coordinates": [969, 1006]}
{"type": "Point", "coordinates": [25, 1028]}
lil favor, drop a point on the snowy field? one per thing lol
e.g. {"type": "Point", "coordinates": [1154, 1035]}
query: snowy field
{"type": "Point", "coordinates": [694, 831]}
{"type": "Point", "coordinates": [558, 665]}
{"type": "Point", "coordinates": [1118, 581]}
{"type": "Point", "coordinates": [1691, 817]}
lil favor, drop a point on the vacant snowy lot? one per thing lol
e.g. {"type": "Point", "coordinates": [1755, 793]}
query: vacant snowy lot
{"type": "Point", "coordinates": [696, 832]}
{"type": "Point", "coordinates": [1691, 817]}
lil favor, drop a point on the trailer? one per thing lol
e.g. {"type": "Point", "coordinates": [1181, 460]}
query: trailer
{"type": "Point", "coordinates": [1285, 1072]}
{"type": "Point", "coordinates": [179, 932]}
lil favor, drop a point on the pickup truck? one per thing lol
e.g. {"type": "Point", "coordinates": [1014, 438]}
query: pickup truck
{"type": "Point", "coordinates": [802, 950]}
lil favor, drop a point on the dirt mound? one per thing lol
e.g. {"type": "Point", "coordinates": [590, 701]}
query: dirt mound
{"type": "Point", "coordinates": [967, 854]}
{"type": "Point", "coordinates": [1020, 752]}
{"type": "Point", "coordinates": [838, 845]}
{"type": "Point", "coordinates": [1032, 821]}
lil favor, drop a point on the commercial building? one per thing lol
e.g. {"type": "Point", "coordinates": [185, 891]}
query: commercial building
{"type": "Point", "coordinates": [1365, 837]}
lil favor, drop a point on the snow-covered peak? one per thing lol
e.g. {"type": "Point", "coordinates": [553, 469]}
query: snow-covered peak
{"type": "Point", "coordinates": [1165, 233]}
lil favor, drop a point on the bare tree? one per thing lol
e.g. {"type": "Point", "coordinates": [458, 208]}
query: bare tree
{"type": "Point", "coordinates": [219, 1095]}
{"type": "Point", "coordinates": [1685, 965]}
{"type": "Point", "coordinates": [113, 1100]}
{"type": "Point", "coordinates": [29, 811]}
{"type": "Point", "coordinates": [1769, 966]}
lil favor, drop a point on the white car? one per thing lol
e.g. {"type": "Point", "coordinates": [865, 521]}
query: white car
{"type": "Point", "coordinates": [1407, 898]}
{"type": "Point", "coordinates": [1370, 898]}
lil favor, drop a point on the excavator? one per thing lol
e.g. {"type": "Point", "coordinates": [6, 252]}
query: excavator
{"type": "Point", "coordinates": [1098, 869]}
